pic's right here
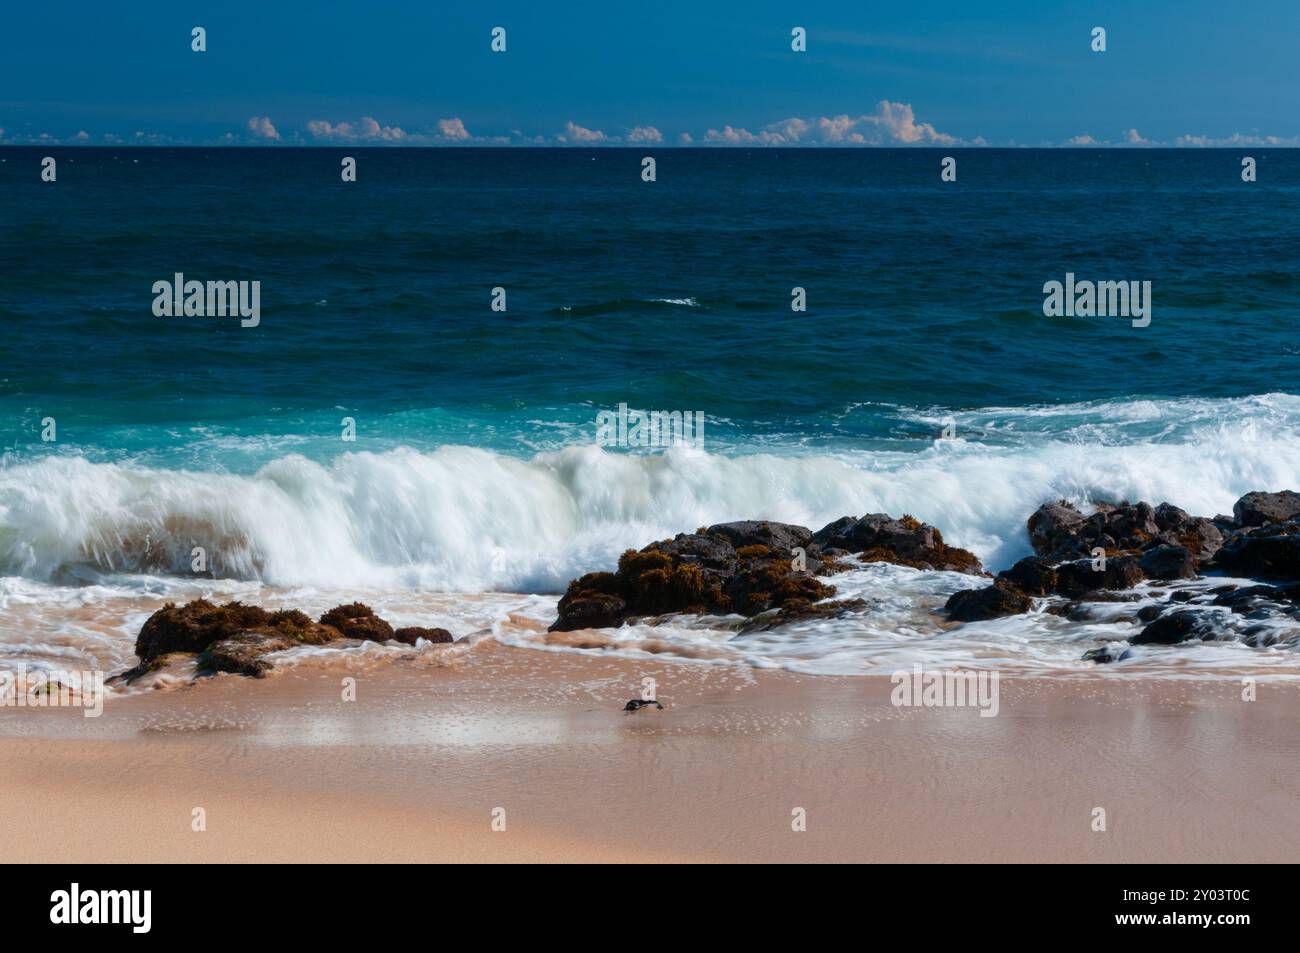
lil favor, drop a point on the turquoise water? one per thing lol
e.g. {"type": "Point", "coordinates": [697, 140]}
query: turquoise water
{"type": "Point", "coordinates": [673, 295]}
{"type": "Point", "coordinates": [474, 465]}
{"type": "Point", "coordinates": [475, 469]}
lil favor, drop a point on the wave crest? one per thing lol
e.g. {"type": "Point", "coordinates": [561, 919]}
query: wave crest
{"type": "Point", "coordinates": [463, 519]}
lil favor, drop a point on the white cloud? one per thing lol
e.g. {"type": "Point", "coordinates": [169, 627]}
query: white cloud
{"type": "Point", "coordinates": [368, 129]}
{"type": "Point", "coordinates": [453, 129]}
{"type": "Point", "coordinates": [1133, 138]}
{"type": "Point", "coordinates": [901, 124]}
{"type": "Point", "coordinates": [890, 124]}
{"type": "Point", "coordinates": [645, 134]}
{"type": "Point", "coordinates": [81, 136]}
{"type": "Point", "coordinates": [1237, 139]}
{"type": "Point", "coordinates": [259, 127]}
{"type": "Point", "coordinates": [1082, 141]}
{"type": "Point", "coordinates": [575, 133]}
{"type": "Point", "coordinates": [685, 139]}
{"type": "Point", "coordinates": [731, 136]}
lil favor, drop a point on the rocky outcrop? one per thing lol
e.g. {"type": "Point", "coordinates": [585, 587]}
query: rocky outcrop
{"type": "Point", "coordinates": [1168, 562]}
{"type": "Point", "coordinates": [991, 602]}
{"type": "Point", "coordinates": [1269, 552]}
{"type": "Point", "coordinates": [1013, 589]}
{"type": "Point", "coordinates": [197, 625]}
{"type": "Point", "coordinates": [1107, 654]}
{"type": "Point", "coordinates": [1177, 626]}
{"type": "Point", "coordinates": [1032, 576]}
{"type": "Point", "coordinates": [237, 638]}
{"type": "Point", "coordinates": [1055, 529]}
{"type": "Point", "coordinates": [905, 541]}
{"type": "Point", "coordinates": [1199, 535]}
{"type": "Point", "coordinates": [778, 537]}
{"type": "Point", "coordinates": [1260, 509]}
{"type": "Point", "coordinates": [703, 573]}
{"type": "Point", "coordinates": [1082, 576]}
{"type": "Point", "coordinates": [748, 568]}
{"type": "Point", "coordinates": [358, 621]}
{"type": "Point", "coordinates": [1058, 531]}
{"type": "Point", "coordinates": [244, 654]}
{"type": "Point", "coordinates": [413, 633]}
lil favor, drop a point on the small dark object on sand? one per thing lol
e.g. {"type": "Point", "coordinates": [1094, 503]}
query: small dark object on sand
{"type": "Point", "coordinates": [637, 704]}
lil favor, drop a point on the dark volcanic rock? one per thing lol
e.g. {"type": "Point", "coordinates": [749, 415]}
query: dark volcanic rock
{"type": "Point", "coordinates": [1032, 576]}
{"type": "Point", "coordinates": [591, 602]}
{"type": "Point", "coordinates": [1129, 525]}
{"type": "Point", "coordinates": [1260, 509]}
{"type": "Point", "coordinates": [1267, 602]}
{"type": "Point", "coordinates": [746, 567]}
{"type": "Point", "coordinates": [1261, 636]}
{"type": "Point", "coordinates": [1106, 654]}
{"type": "Point", "coordinates": [1201, 537]}
{"type": "Point", "coordinates": [709, 552]}
{"type": "Point", "coordinates": [1058, 531]}
{"type": "Point", "coordinates": [1178, 626]}
{"type": "Point", "coordinates": [1054, 530]}
{"type": "Point", "coordinates": [1168, 562]}
{"type": "Point", "coordinates": [1078, 577]}
{"type": "Point", "coordinates": [242, 655]}
{"type": "Point", "coordinates": [778, 537]}
{"type": "Point", "coordinates": [702, 573]}
{"type": "Point", "coordinates": [358, 621]}
{"type": "Point", "coordinates": [197, 625]}
{"type": "Point", "coordinates": [1272, 552]}
{"type": "Point", "coordinates": [801, 610]}
{"type": "Point", "coordinates": [1150, 613]}
{"type": "Point", "coordinates": [905, 541]}
{"type": "Point", "coordinates": [411, 633]}
{"type": "Point", "coordinates": [991, 602]}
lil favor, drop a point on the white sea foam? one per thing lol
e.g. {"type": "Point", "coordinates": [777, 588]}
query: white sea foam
{"type": "Point", "coordinates": [464, 520]}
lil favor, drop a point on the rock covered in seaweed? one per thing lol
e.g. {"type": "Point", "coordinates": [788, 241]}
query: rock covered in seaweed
{"type": "Point", "coordinates": [748, 568]}
{"type": "Point", "coordinates": [703, 573]}
{"type": "Point", "coordinates": [1059, 532]}
{"type": "Point", "coordinates": [358, 621]}
{"type": "Point", "coordinates": [197, 625]}
{"type": "Point", "coordinates": [905, 541]}
{"type": "Point", "coordinates": [237, 638]}
{"type": "Point", "coordinates": [411, 634]}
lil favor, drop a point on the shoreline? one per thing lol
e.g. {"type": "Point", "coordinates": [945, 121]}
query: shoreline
{"type": "Point", "coordinates": [413, 768]}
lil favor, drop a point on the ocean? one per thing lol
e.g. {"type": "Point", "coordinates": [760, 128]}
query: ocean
{"type": "Point", "coordinates": [475, 489]}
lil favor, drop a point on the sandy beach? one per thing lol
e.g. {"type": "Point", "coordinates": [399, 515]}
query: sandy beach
{"type": "Point", "coordinates": [435, 742]}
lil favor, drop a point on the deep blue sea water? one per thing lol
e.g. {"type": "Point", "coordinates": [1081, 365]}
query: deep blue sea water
{"type": "Point", "coordinates": [376, 293]}
{"type": "Point", "coordinates": [474, 466]}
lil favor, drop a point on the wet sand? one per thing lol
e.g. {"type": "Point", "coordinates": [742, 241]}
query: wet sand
{"type": "Point", "coordinates": [414, 767]}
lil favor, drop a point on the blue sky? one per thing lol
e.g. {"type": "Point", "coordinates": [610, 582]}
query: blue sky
{"type": "Point", "coordinates": [1014, 72]}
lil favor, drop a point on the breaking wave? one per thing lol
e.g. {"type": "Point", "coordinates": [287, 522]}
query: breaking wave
{"type": "Point", "coordinates": [461, 519]}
